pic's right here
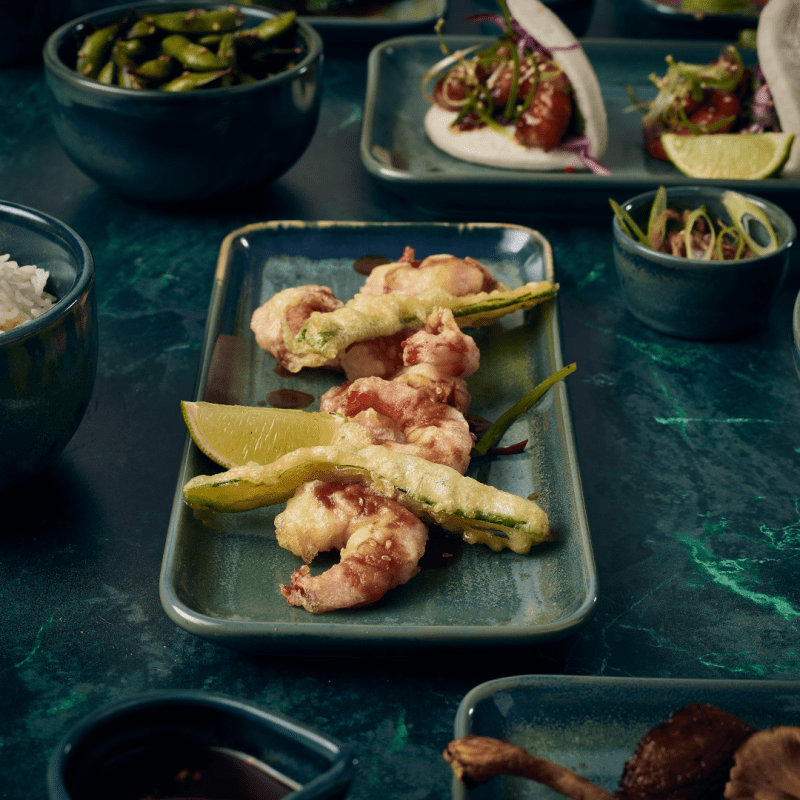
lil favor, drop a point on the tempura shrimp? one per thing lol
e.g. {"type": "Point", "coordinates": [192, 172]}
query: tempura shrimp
{"type": "Point", "coordinates": [291, 308]}
{"type": "Point", "coordinates": [381, 357]}
{"type": "Point", "coordinates": [380, 541]}
{"type": "Point", "coordinates": [435, 359]}
{"type": "Point", "coordinates": [457, 276]}
{"type": "Point", "coordinates": [438, 358]}
{"type": "Point", "coordinates": [402, 418]}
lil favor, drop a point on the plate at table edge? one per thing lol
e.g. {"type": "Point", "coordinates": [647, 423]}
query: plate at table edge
{"type": "Point", "coordinates": [390, 626]}
{"type": "Point", "coordinates": [796, 334]}
{"type": "Point", "coordinates": [440, 184]}
{"type": "Point", "coordinates": [591, 724]}
{"type": "Point", "coordinates": [750, 11]}
{"type": "Point", "coordinates": [392, 18]}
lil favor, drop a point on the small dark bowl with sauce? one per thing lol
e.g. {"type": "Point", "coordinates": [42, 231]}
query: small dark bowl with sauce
{"type": "Point", "coordinates": [194, 744]}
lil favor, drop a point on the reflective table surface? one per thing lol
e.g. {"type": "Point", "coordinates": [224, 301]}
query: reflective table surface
{"type": "Point", "coordinates": [689, 455]}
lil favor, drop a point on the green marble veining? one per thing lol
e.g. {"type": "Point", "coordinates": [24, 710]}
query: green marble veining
{"type": "Point", "coordinates": [688, 456]}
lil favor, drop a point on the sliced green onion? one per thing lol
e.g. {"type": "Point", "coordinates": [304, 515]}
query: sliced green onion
{"type": "Point", "coordinates": [496, 430]}
{"type": "Point", "coordinates": [691, 220]}
{"type": "Point", "coordinates": [746, 215]}
{"type": "Point", "coordinates": [628, 224]}
{"type": "Point", "coordinates": [735, 233]}
{"type": "Point", "coordinates": [657, 214]}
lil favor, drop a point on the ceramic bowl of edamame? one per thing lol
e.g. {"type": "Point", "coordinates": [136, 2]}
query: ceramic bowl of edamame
{"type": "Point", "coordinates": [173, 102]}
{"type": "Point", "coordinates": [701, 262]}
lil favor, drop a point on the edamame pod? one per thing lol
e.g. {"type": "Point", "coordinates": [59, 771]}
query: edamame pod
{"type": "Point", "coordinates": [157, 69]}
{"type": "Point", "coordinates": [199, 20]}
{"type": "Point", "coordinates": [141, 29]}
{"type": "Point", "coordinates": [192, 80]}
{"type": "Point", "coordinates": [107, 73]}
{"type": "Point", "coordinates": [92, 53]}
{"type": "Point", "coordinates": [270, 28]}
{"type": "Point", "coordinates": [126, 50]}
{"type": "Point", "coordinates": [192, 56]}
{"type": "Point", "coordinates": [128, 79]}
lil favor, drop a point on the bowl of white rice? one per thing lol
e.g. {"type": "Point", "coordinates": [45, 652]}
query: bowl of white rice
{"type": "Point", "coordinates": [48, 339]}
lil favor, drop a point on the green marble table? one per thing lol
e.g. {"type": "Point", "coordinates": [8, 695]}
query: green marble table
{"type": "Point", "coordinates": [690, 455]}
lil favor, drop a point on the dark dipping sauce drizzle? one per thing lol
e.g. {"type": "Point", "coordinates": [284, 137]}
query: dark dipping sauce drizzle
{"type": "Point", "coordinates": [189, 773]}
{"type": "Point", "coordinates": [365, 264]}
{"type": "Point", "coordinates": [289, 398]}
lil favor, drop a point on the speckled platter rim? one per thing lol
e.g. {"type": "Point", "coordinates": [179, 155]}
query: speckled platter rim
{"type": "Point", "coordinates": [387, 631]}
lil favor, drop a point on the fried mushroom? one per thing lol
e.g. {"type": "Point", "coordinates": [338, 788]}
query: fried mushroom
{"type": "Point", "coordinates": [767, 767]}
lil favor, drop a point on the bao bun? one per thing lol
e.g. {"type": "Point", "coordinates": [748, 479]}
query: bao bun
{"type": "Point", "coordinates": [485, 146]}
{"type": "Point", "coordinates": [778, 42]}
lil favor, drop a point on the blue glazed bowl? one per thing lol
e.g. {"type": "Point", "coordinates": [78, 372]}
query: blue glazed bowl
{"type": "Point", "coordinates": [796, 334]}
{"type": "Point", "coordinates": [696, 299]}
{"type": "Point", "coordinates": [171, 147]}
{"type": "Point", "coordinates": [47, 365]}
{"type": "Point", "coordinates": [174, 725]}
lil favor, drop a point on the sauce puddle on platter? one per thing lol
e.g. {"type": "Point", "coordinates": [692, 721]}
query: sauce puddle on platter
{"type": "Point", "coordinates": [185, 772]}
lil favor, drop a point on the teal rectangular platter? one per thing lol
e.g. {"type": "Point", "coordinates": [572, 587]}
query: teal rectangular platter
{"type": "Point", "coordinates": [395, 150]}
{"type": "Point", "coordinates": [591, 725]}
{"type": "Point", "coordinates": [221, 581]}
{"type": "Point", "coordinates": [371, 22]}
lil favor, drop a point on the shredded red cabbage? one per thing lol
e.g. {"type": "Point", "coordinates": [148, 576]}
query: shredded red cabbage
{"type": "Point", "coordinates": [580, 146]}
{"type": "Point", "coordinates": [763, 110]}
{"type": "Point", "coordinates": [525, 38]}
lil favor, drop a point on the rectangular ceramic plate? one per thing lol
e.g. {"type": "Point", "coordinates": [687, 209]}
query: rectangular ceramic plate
{"type": "Point", "coordinates": [397, 152]}
{"type": "Point", "coordinates": [734, 9]}
{"type": "Point", "coordinates": [223, 584]}
{"type": "Point", "coordinates": [376, 21]}
{"type": "Point", "coordinates": [591, 725]}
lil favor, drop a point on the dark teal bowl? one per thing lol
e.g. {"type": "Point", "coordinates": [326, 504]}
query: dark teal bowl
{"type": "Point", "coordinates": [170, 147]}
{"type": "Point", "coordinates": [796, 334]}
{"type": "Point", "coordinates": [175, 726]}
{"type": "Point", "coordinates": [47, 365]}
{"type": "Point", "coordinates": [695, 299]}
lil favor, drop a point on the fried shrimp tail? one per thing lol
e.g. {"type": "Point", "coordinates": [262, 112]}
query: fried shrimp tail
{"type": "Point", "coordinates": [380, 545]}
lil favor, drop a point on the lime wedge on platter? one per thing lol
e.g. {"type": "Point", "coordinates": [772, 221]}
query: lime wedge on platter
{"type": "Point", "coordinates": [741, 156]}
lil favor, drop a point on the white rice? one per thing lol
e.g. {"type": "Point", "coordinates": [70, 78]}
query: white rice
{"type": "Point", "coordinates": [22, 294]}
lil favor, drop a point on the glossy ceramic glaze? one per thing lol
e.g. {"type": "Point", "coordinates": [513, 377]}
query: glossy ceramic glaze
{"type": "Point", "coordinates": [592, 724]}
{"type": "Point", "coordinates": [796, 334]}
{"type": "Point", "coordinates": [692, 298]}
{"type": "Point", "coordinates": [47, 365]}
{"type": "Point", "coordinates": [319, 765]}
{"type": "Point", "coordinates": [221, 580]}
{"type": "Point", "coordinates": [182, 146]}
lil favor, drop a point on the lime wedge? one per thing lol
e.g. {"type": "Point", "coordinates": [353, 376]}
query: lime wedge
{"type": "Point", "coordinates": [434, 492]}
{"type": "Point", "coordinates": [741, 156]}
{"type": "Point", "coordinates": [235, 435]}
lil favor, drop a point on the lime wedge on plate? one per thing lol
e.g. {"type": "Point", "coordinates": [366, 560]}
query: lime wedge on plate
{"type": "Point", "coordinates": [235, 435]}
{"type": "Point", "coordinates": [741, 156]}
